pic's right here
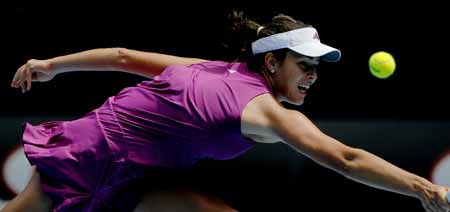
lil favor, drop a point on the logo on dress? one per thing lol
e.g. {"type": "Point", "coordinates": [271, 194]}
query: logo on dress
{"type": "Point", "coordinates": [231, 71]}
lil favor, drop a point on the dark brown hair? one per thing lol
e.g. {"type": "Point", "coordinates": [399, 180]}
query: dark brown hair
{"type": "Point", "coordinates": [243, 31]}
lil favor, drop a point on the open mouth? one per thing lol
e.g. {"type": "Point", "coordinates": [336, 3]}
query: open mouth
{"type": "Point", "coordinates": [303, 88]}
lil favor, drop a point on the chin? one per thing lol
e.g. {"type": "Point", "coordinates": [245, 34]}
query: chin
{"type": "Point", "coordinates": [297, 102]}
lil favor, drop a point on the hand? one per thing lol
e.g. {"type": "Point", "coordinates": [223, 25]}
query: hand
{"type": "Point", "coordinates": [434, 200]}
{"type": "Point", "coordinates": [33, 70]}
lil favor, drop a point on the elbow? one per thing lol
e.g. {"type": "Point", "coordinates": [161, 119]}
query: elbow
{"type": "Point", "coordinates": [121, 57]}
{"type": "Point", "coordinates": [348, 163]}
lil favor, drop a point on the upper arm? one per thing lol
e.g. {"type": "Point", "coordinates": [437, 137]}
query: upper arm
{"type": "Point", "coordinates": [296, 130]}
{"type": "Point", "coordinates": [301, 134]}
{"type": "Point", "coordinates": [149, 64]}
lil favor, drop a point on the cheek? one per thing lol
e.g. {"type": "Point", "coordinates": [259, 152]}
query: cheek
{"type": "Point", "coordinates": [287, 80]}
{"type": "Point", "coordinates": [290, 83]}
{"type": "Point", "coordinates": [286, 83]}
{"type": "Point", "coordinates": [295, 79]}
{"type": "Point", "coordinates": [291, 75]}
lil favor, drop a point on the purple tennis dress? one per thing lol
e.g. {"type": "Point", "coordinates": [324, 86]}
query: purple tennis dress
{"type": "Point", "coordinates": [181, 116]}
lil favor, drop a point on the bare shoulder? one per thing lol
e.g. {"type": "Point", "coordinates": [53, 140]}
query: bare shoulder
{"type": "Point", "coordinates": [255, 120]}
{"type": "Point", "coordinates": [266, 121]}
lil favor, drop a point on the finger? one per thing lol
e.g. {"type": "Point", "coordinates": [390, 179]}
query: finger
{"type": "Point", "coordinates": [28, 75]}
{"type": "Point", "coordinates": [440, 203]}
{"type": "Point", "coordinates": [427, 208]}
{"type": "Point", "coordinates": [17, 76]}
{"type": "Point", "coordinates": [13, 81]}
{"type": "Point", "coordinates": [22, 86]}
{"type": "Point", "coordinates": [22, 80]}
{"type": "Point", "coordinates": [22, 74]}
{"type": "Point", "coordinates": [19, 81]}
{"type": "Point", "coordinates": [432, 205]}
{"type": "Point", "coordinates": [445, 206]}
{"type": "Point", "coordinates": [25, 77]}
{"type": "Point", "coordinates": [22, 83]}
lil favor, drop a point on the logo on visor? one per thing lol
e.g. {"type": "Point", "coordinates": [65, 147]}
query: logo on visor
{"type": "Point", "coordinates": [316, 36]}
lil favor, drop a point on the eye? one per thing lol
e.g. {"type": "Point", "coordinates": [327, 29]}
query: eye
{"type": "Point", "coordinates": [306, 67]}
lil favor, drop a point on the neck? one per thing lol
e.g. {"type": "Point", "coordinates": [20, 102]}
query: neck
{"type": "Point", "coordinates": [268, 79]}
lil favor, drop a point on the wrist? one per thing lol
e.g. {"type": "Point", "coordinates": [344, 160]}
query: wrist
{"type": "Point", "coordinates": [421, 187]}
{"type": "Point", "coordinates": [51, 67]}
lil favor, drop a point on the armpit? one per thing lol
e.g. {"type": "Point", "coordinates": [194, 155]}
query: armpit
{"type": "Point", "coordinates": [261, 139]}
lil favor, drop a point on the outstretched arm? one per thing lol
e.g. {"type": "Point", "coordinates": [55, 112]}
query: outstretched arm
{"type": "Point", "coordinates": [147, 64]}
{"type": "Point", "coordinates": [296, 130]}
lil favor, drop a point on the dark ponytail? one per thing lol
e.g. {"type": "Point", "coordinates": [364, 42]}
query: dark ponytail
{"type": "Point", "coordinates": [240, 33]}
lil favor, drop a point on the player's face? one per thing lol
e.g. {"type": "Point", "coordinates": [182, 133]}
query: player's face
{"type": "Point", "coordinates": [294, 76]}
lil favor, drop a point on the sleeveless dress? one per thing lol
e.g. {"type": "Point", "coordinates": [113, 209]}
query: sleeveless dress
{"type": "Point", "coordinates": [183, 115]}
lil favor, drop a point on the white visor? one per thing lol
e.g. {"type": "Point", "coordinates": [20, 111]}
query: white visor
{"type": "Point", "coordinates": [304, 41]}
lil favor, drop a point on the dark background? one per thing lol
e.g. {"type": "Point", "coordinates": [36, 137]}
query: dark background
{"type": "Point", "coordinates": [415, 37]}
{"type": "Point", "coordinates": [404, 118]}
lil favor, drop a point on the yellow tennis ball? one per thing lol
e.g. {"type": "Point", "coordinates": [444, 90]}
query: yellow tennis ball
{"type": "Point", "coordinates": [382, 64]}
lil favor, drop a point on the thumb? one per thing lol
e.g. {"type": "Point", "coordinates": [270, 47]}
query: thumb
{"type": "Point", "coordinates": [34, 77]}
{"type": "Point", "coordinates": [447, 198]}
{"type": "Point", "coordinates": [447, 194]}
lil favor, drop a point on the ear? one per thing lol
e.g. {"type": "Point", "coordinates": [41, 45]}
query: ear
{"type": "Point", "coordinates": [271, 62]}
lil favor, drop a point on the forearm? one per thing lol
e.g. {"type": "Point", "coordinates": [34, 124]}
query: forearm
{"type": "Point", "coordinates": [371, 170]}
{"type": "Point", "coordinates": [90, 60]}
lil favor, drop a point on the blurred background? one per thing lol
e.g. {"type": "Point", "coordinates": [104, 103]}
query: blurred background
{"type": "Point", "coordinates": [404, 119]}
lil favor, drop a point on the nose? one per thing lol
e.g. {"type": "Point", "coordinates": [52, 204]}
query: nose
{"type": "Point", "coordinates": [312, 75]}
